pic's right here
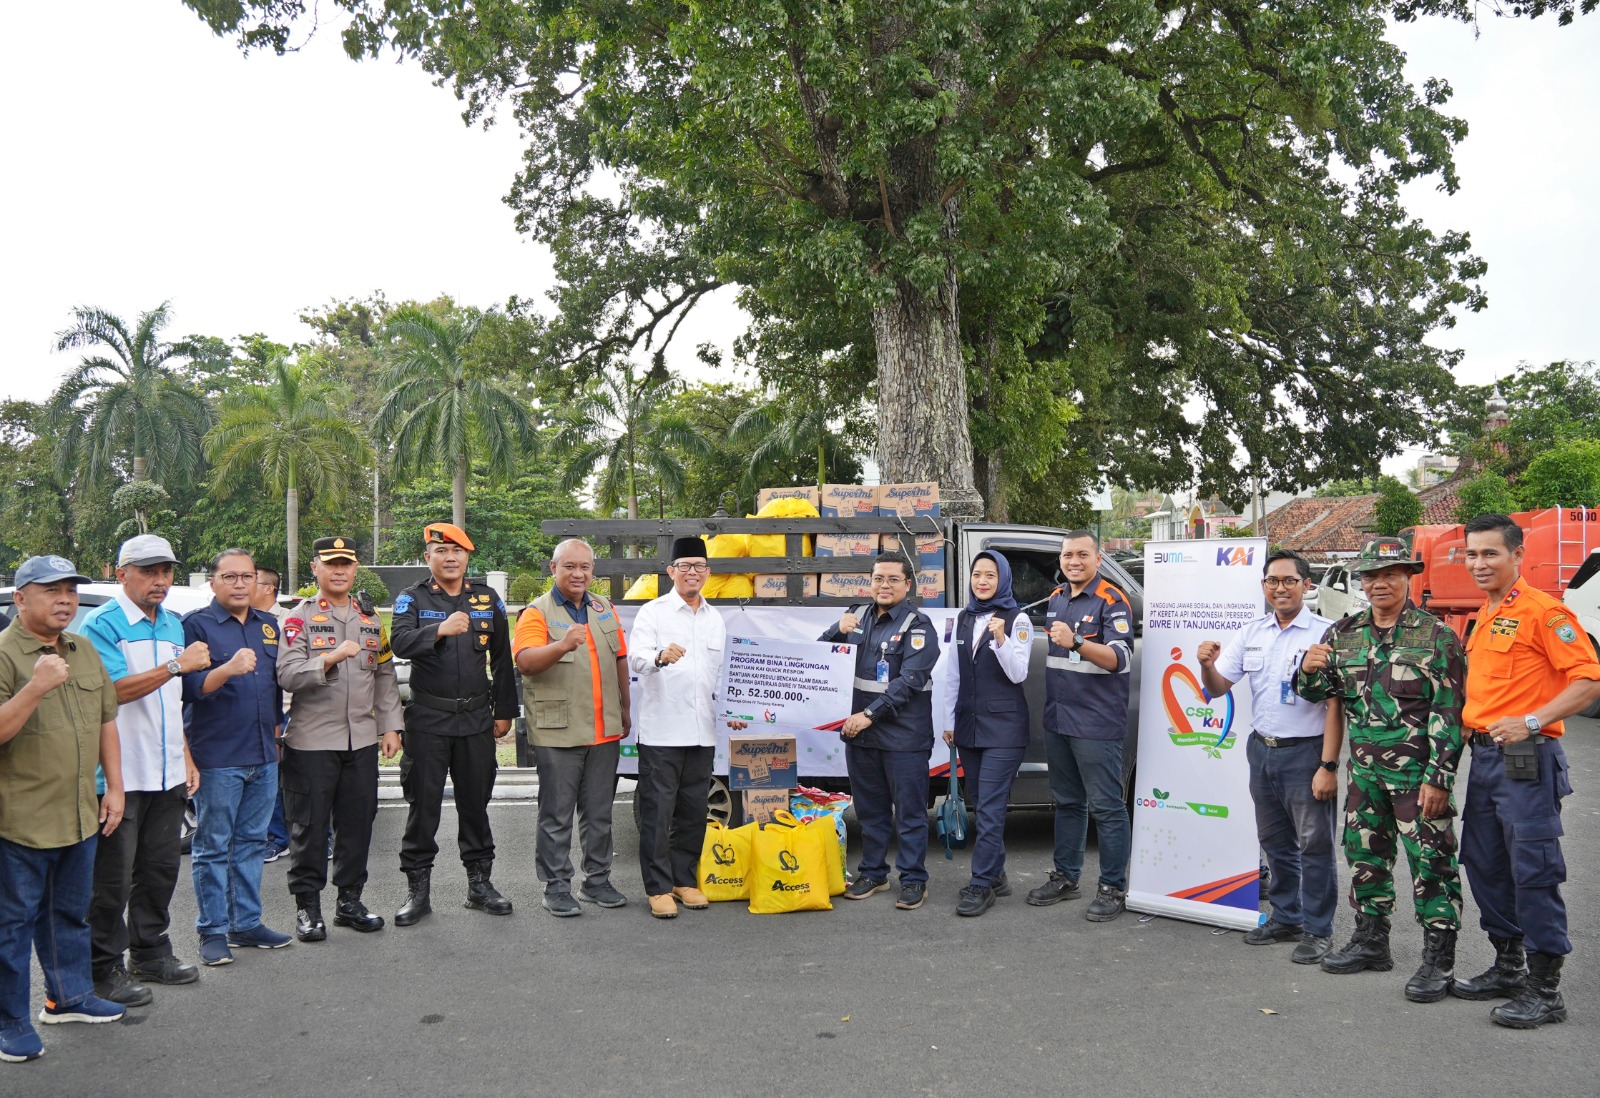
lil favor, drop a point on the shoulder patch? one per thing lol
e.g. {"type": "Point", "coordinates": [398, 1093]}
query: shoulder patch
{"type": "Point", "coordinates": [1566, 632]}
{"type": "Point", "coordinates": [1024, 629]}
{"type": "Point", "coordinates": [403, 603]}
{"type": "Point", "coordinates": [292, 628]}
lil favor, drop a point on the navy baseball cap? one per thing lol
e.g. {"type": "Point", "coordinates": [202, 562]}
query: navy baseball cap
{"type": "Point", "coordinates": [48, 569]}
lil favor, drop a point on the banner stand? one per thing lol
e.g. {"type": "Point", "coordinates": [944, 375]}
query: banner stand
{"type": "Point", "coordinates": [1195, 851]}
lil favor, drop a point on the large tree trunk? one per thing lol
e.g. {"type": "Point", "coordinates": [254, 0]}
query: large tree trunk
{"type": "Point", "coordinates": [291, 513]}
{"type": "Point", "coordinates": [458, 493]}
{"type": "Point", "coordinates": [922, 395]}
{"type": "Point", "coordinates": [139, 465]}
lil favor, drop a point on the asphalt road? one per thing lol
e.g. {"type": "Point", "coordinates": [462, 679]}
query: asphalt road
{"type": "Point", "coordinates": [862, 999]}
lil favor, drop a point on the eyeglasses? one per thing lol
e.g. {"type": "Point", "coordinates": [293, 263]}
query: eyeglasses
{"type": "Point", "coordinates": [887, 580]}
{"type": "Point", "coordinates": [1272, 582]}
{"type": "Point", "coordinates": [229, 579]}
{"type": "Point", "coordinates": [685, 567]}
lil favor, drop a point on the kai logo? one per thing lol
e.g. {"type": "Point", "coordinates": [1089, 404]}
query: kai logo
{"type": "Point", "coordinates": [1194, 718]}
{"type": "Point", "coordinates": [1233, 557]}
{"type": "Point", "coordinates": [843, 647]}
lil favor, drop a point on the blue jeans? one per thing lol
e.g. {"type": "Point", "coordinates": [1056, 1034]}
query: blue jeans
{"type": "Point", "coordinates": [44, 903]}
{"type": "Point", "coordinates": [232, 808]}
{"type": "Point", "coordinates": [1085, 780]}
{"type": "Point", "coordinates": [986, 775]}
{"type": "Point", "coordinates": [890, 792]}
{"type": "Point", "coordinates": [1296, 831]}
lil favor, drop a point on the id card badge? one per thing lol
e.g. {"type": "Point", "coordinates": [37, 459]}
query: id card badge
{"type": "Point", "coordinates": [1286, 693]}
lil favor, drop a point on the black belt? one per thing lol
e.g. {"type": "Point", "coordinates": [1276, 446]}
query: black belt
{"type": "Point", "coordinates": [1483, 739]}
{"type": "Point", "coordinates": [1285, 741]}
{"type": "Point", "coordinates": [449, 705]}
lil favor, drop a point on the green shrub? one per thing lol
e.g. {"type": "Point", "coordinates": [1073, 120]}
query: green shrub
{"type": "Point", "coordinates": [525, 587]}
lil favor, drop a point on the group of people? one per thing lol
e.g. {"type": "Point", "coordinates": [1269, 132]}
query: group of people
{"type": "Point", "coordinates": [249, 710]}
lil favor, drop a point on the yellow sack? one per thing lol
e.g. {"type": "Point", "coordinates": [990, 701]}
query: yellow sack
{"type": "Point", "coordinates": [832, 849]}
{"type": "Point", "coordinates": [730, 585]}
{"type": "Point", "coordinates": [643, 588]}
{"type": "Point", "coordinates": [725, 861]}
{"type": "Point", "coordinates": [772, 545]}
{"type": "Point", "coordinates": [790, 871]}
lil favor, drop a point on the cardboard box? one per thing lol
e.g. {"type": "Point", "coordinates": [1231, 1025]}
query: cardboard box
{"type": "Point", "coordinates": [775, 585]}
{"type": "Point", "coordinates": [930, 549]}
{"type": "Point", "coordinates": [763, 762]}
{"type": "Point", "coordinates": [805, 492]}
{"type": "Point", "coordinates": [848, 585]}
{"type": "Point", "coordinates": [849, 501]}
{"type": "Point", "coordinates": [906, 500]}
{"type": "Point", "coordinates": [930, 588]}
{"type": "Point", "coordinates": [847, 545]}
{"type": "Point", "coordinates": [760, 804]}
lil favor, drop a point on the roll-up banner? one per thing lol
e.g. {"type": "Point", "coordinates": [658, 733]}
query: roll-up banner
{"type": "Point", "coordinates": [1195, 852]}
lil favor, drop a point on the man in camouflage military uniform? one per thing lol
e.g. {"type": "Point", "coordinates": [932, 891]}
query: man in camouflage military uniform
{"type": "Point", "coordinates": [1399, 674]}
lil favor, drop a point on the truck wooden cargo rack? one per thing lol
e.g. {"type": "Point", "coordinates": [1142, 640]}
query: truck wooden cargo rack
{"type": "Point", "coordinates": [615, 536]}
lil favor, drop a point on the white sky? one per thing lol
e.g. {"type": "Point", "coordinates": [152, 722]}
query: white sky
{"type": "Point", "coordinates": [150, 161]}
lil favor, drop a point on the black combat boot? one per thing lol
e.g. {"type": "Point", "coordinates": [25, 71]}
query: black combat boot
{"type": "Point", "coordinates": [1537, 1001]}
{"type": "Point", "coordinates": [1368, 948]}
{"type": "Point", "coordinates": [352, 913]}
{"type": "Point", "coordinates": [481, 892]}
{"type": "Point", "coordinates": [1438, 970]}
{"type": "Point", "coordinates": [1504, 978]}
{"type": "Point", "coordinates": [417, 904]}
{"type": "Point", "coordinates": [308, 924]}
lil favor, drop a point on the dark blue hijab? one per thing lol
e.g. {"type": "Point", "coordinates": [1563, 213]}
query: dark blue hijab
{"type": "Point", "coordinates": [1002, 594]}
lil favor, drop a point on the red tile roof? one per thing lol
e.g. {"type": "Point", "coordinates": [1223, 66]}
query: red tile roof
{"type": "Point", "coordinates": [1337, 524]}
{"type": "Point", "coordinates": [1439, 502]}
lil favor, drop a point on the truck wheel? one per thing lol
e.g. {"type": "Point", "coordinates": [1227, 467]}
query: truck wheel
{"type": "Point", "coordinates": [723, 805]}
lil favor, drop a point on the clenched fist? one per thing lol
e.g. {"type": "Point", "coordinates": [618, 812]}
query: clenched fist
{"type": "Point", "coordinates": [848, 623]}
{"type": "Point", "coordinates": [455, 625]}
{"type": "Point", "coordinates": [576, 638]}
{"type": "Point", "coordinates": [50, 671]}
{"type": "Point", "coordinates": [1207, 652]}
{"type": "Point", "coordinates": [672, 653]}
{"type": "Point", "coordinates": [242, 663]}
{"type": "Point", "coordinates": [1061, 634]}
{"type": "Point", "coordinates": [997, 630]}
{"type": "Point", "coordinates": [345, 651]}
{"type": "Point", "coordinates": [1316, 658]}
{"type": "Point", "coordinates": [196, 657]}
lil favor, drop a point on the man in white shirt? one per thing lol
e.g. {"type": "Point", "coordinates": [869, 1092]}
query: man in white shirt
{"type": "Point", "coordinates": [676, 650]}
{"type": "Point", "coordinates": [1294, 759]}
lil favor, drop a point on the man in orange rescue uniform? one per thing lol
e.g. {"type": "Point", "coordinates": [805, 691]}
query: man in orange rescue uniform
{"type": "Point", "coordinates": [1529, 665]}
{"type": "Point", "coordinates": [573, 656]}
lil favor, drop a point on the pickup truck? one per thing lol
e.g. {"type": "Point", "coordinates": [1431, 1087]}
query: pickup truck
{"type": "Point", "coordinates": [1033, 552]}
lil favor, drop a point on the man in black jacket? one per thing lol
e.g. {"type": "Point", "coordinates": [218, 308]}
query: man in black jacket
{"type": "Point", "coordinates": [890, 735]}
{"type": "Point", "coordinates": [454, 632]}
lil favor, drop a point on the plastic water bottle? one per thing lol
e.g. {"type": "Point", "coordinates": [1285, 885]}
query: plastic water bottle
{"type": "Point", "coordinates": [883, 661]}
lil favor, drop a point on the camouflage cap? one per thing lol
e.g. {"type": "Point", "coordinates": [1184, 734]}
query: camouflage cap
{"type": "Point", "coordinates": [1378, 555]}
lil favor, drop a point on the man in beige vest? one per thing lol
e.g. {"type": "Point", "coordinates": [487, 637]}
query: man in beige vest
{"type": "Point", "coordinates": [571, 651]}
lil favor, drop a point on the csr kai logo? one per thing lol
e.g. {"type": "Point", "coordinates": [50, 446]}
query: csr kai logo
{"type": "Point", "coordinates": [789, 864]}
{"type": "Point", "coordinates": [722, 854]}
{"type": "Point", "coordinates": [1194, 717]}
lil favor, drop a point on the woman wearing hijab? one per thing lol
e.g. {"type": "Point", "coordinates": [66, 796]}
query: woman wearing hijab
{"type": "Point", "coordinates": [986, 717]}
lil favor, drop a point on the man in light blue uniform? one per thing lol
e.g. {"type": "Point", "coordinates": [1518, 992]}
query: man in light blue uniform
{"type": "Point", "coordinates": [1294, 759]}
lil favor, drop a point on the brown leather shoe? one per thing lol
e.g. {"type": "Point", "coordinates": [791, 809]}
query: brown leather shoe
{"type": "Point", "coordinates": [691, 897]}
{"type": "Point", "coordinates": [664, 906]}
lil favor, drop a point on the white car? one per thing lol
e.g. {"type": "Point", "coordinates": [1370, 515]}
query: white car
{"type": "Point", "coordinates": [180, 600]}
{"type": "Point", "coordinates": [1583, 598]}
{"type": "Point", "coordinates": [1339, 594]}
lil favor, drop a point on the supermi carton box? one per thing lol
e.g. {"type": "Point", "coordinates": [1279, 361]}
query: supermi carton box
{"type": "Point", "coordinates": [775, 585]}
{"type": "Point", "coordinates": [760, 804]}
{"type": "Point", "coordinates": [930, 549]}
{"type": "Point", "coordinates": [847, 545]}
{"type": "Point", "coordinates": [763, 762]}
{"type": "Point", "coordinates": [930, 588]}
{"type": "Point", "coordinates": [848, 585]}
{"type": "Point", "coordinates": [849, 501]}
{"type": "Point", "coordinates": [805, 492]}
{"type": "Point", "coordinates": [906, 500]}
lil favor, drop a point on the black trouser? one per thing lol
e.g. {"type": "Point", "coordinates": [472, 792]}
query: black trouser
{"type": "Point", "coordinates": [674, 784]}
{"type": "Point", "coordinates": [470, 762]}
{"type": "Point", "coordinates": [319, 786]}
{"type": "Point", "coordinates": [135, 872]}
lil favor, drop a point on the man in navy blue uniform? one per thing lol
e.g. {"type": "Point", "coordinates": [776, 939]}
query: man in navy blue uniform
{"type": "Point", "coordinates": [890, 735]}
{"type": "Point", "coordinates": [454, 633]}
{"type": "Point", "coordinates": [1086, 718]}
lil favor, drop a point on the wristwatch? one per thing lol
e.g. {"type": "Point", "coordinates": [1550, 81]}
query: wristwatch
{"type": "Point", "coordinates": [658, 661]}
{"type": "Point", "coordinates": [1330, 765]}
{"type": "Point", "coordinates": [174, 668]}
{"type": "Point", "coordinates": [1077, 641]}
{"type": "Point", "coordinates": [1532, 724]}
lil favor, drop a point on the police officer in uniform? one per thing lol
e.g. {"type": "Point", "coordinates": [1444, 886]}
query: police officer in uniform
{"type": "Point", "coordinates": [1529, 666]}
{"type": "Point", "coordinates": [453, 631]}
{"type": "Point", "coordinates": [337, 664]}
{"type": "Point", "coordinates": [986, 716]}
{"type": "Point", "coordinates": [890, 734]}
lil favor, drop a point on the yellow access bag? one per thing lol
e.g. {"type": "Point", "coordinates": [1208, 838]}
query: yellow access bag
{"type": "Point", "coordinates": [729, 585]}
{"type": "Point", "coordinates": [725, 861]}
{"type": "Point", "coordinates": [774, 545]}
{"type": "Point", "coordinates": [832, 849]}
{"type": "Point", "coordinates": [790, 870]}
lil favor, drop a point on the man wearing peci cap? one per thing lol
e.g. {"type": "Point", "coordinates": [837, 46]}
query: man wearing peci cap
{"type": "Point", "coordinates": [335, 660]}
{"type": "Point", "coordinates": [454, 632]}
{"type": "Point", "coordinates": [58, 713]}
{"type": "Point", "coordinates": [136, 868]}
{"type": "Point", "coordinates": [678, 641]}
{"type": "Point", "coordinates": [1396, 674]}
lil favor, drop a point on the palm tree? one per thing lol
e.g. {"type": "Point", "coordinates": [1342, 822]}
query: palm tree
{"type": "Point", "coordinates": [785, 430]}
{"type": "Point", "coordinates": [129, 402]}
{"type": "Point", "coordinates": [616, 430]}
{"type": "Point", "coordinates": [291, 435]}
{"type": "Point", "coordinates": [436, 411]}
